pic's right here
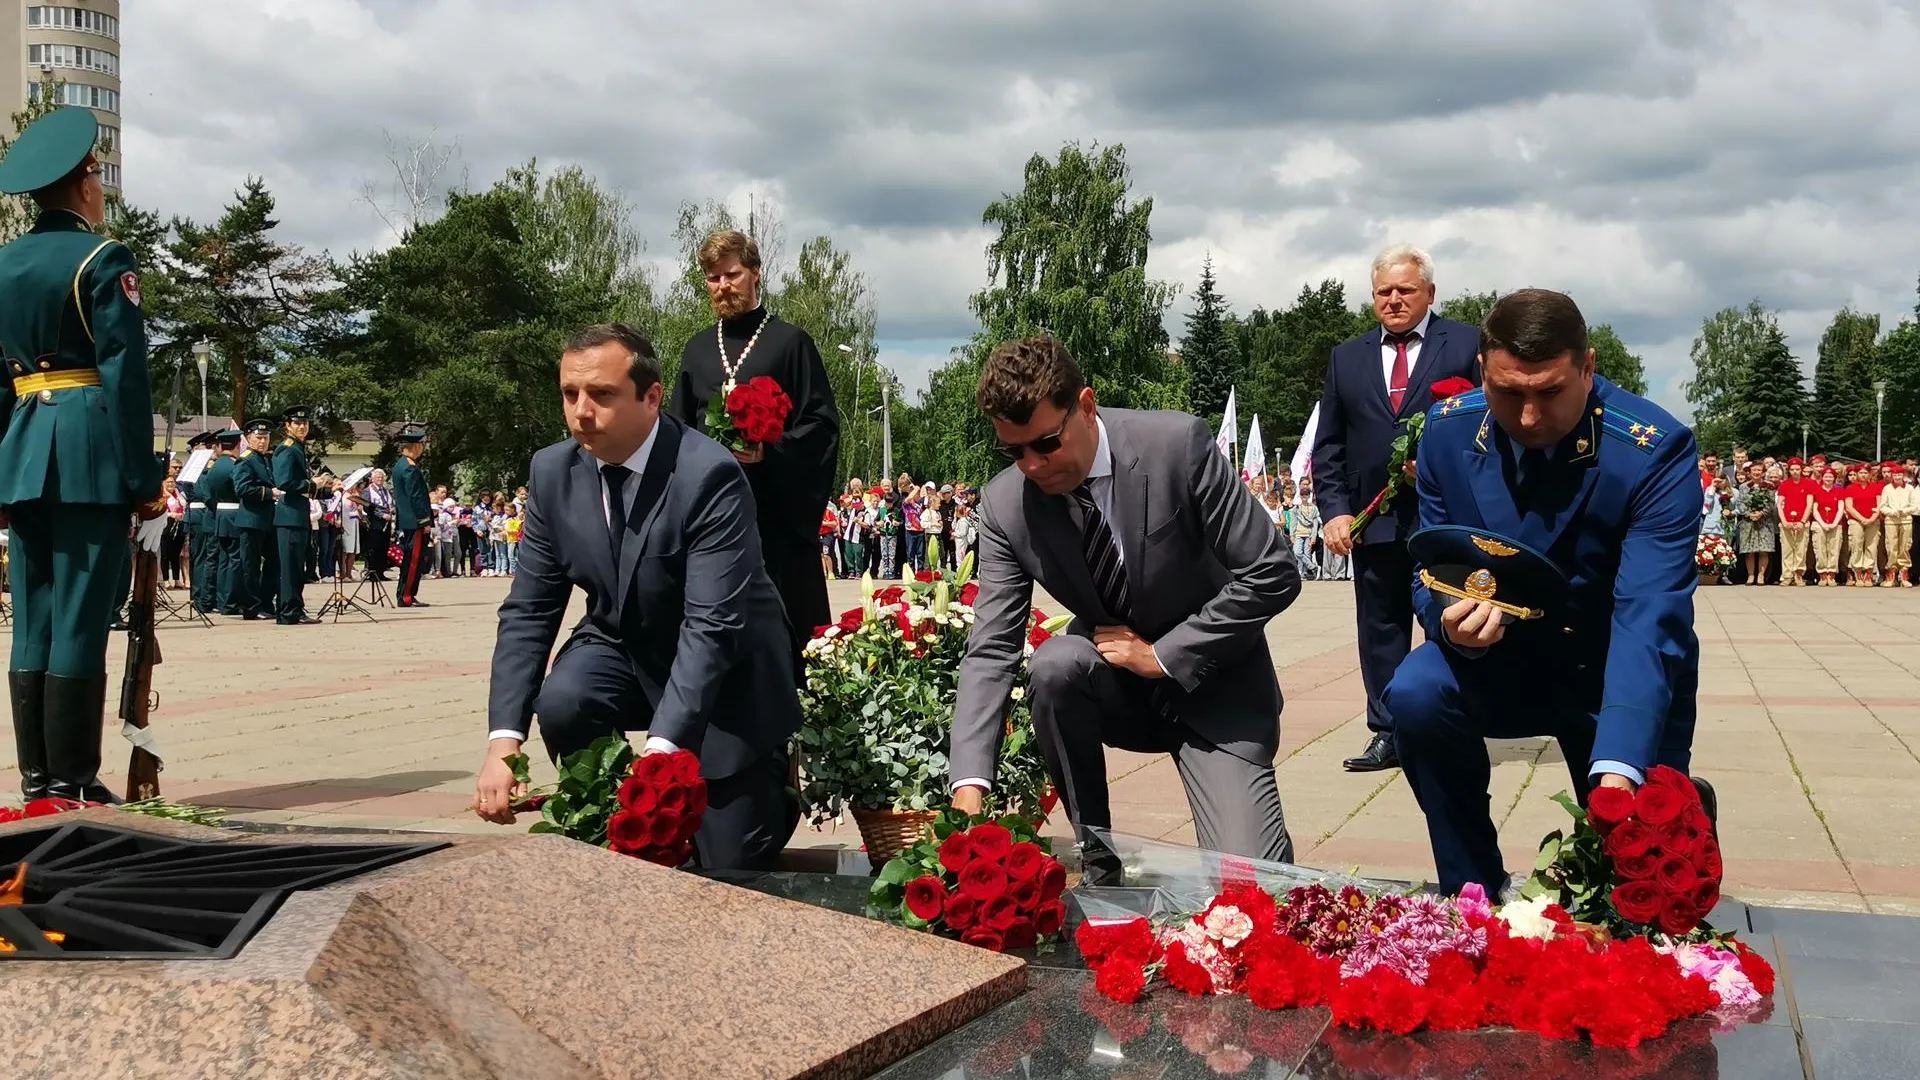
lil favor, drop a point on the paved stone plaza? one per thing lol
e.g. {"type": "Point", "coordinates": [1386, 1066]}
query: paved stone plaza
{"type": "Point", "coordinates": [1810, 730]}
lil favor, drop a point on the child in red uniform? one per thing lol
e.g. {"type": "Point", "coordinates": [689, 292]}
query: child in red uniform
{"type": "Point", "coordinates": [1828, 518]}
{"type": "Point", "coordinates": [1796, 508]}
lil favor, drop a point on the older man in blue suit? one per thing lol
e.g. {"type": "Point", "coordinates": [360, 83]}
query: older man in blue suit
{"type": "Point", "coordinates": [1374, 384]}
{"type": "Point", "coordinates": [1604, 484]}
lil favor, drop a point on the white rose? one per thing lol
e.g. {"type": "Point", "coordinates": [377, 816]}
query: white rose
{"type": "Point", "coordinates": [1018, 693]}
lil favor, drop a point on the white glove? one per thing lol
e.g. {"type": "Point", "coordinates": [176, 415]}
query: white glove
{"type": "Point", "coordinates": [150, 532]}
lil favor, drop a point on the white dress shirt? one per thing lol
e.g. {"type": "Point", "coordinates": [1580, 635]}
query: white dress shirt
{"type": "Point", "coordinates": [1387, 351]}
{"type": "Point", "coordinates": [636, 464]}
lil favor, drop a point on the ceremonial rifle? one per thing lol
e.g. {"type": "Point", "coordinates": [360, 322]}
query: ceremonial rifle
{"type": "Point", "coordinates": [137, 697]}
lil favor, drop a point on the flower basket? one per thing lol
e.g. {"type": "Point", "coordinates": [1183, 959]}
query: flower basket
{"type": "Point", "coordinates": [1713, 556]}
{"type": "Point", "coordinates": [887, 833]}
{"type": "Point", "coordinates": [878, 709]}
{"type": "Point", "coordinates": [1709, 577]}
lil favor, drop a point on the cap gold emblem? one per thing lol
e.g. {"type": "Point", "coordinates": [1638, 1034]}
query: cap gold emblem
{"type": "Point", "coordinates": [1480, 585]}
{"type": "Point", "coordinates": [1495, 548]}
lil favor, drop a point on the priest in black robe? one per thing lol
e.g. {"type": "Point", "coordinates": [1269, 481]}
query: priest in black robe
{"type": "Point", "coordinates": [793, 478]}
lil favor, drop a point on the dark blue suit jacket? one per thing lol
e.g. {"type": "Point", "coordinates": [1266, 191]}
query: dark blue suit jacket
{"type": "Point", "coordinates": [689, 601]}
{"type": "Point", "coordinates": [1621, 519]}
{"type": "Point", "coordinates": [1357, 424]}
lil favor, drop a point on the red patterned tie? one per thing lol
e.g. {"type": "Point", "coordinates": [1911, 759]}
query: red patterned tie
{"type": "Point", "coordinates": [1397, 383]}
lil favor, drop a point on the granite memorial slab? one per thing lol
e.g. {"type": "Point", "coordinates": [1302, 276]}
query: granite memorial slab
{"type": "Point", "coordinates": [509, 956]}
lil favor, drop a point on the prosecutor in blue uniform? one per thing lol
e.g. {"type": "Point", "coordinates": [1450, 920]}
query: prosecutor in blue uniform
{"type": "Point", "coordinates": [1602, 483]}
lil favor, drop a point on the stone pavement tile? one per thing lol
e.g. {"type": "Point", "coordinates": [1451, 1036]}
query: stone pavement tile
{"type": "Point", "coordinates": [1908, 906]}
{"type": "Point", "coordinates": [1860, 1050]}
{"type": "Point", "coordinates": [1811, 899]}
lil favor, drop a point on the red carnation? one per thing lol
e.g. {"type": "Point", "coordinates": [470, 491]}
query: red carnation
{"type": "Point", "coordinates": [905, 622]}
{"type": "Point", "coordinates": [991, 842]}
{"type": "Point", "coordinates": [961, 911]}
{"type": "Point", "coordinates": [1025, 860]}
{"type": "Point", "coordinates": [1657, 804]}
{"type": "Point", "coordinates": [1678, 915]}
{"type": "Point", "coordinates": [983, 880]}
{"type": "Point", "coordinates": [1676, 876]}
{"type": "Point", "coordinates": [638, 796]}
{"type": "Point", "coordinates": [1608, 807]}
{"type": "Point", "coordinates": [627, 832]}
{"type": "Point", "coordinates": [1053, 880]}
{"type": "Point", "coordinates": [984, 938]}
{"type": "Point", "coordinates": [926, 897]}
{"type": "Point", "coordinates": [1123, 983]}
{"type": "Point", "coordinates": [924, 575]}
{"type": "Point", "coordinates": [852, 620]}
{"type": "Point", "coordinates": [891, 595]}
{"type": "Point", "coordinates": [1024, 894]}
{"type": "Point", "coordinates": [1756, 968]}
{"type": "Point", "coordinates": [1049, 918]}
{"type": "Point", "coordinates": [1630, 838]}
{"type": "Point", "coordinates": [1638, 901]}
{"type": "Point", "coordinates": [955, 852]}
{"type": "Point", "coordinates": [1038, 635]}
{"type": "Point", "coordinates": [1447, 388]}
{"type": "Point", "coordinates": [1182, 973]}
{"type": "Point", "coordinates": [968, 592]}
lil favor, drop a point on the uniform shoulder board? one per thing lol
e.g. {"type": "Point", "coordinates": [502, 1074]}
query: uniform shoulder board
{"type": "Point", "coordinates": [1625, 427]}
{"type": "Point", "coordinates": [1466, 402]}
{"type": "Point", "coordinates": [289, 442]}
{"type": "Point", "coordinates": [249, 450]}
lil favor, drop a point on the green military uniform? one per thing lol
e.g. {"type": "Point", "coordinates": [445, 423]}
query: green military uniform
{"type": "Point", "coordinates": [223, 503]}
{"type": "Point", "coordinates": [202, 565]}
{"type": "Point", "coordinates": [259, 563]}
{"type": "Point", "coordinates": [76, 451]}
{"type": "Point", "coordinates": [413, 517]}
{"type": "Point", "coordinates": [291, 522]}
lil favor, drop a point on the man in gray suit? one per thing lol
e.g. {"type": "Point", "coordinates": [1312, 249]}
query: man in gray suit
{"type": "Point", "coordinates": [1136, 524]}
{"type": "Point", "coordinates": [684, 635]}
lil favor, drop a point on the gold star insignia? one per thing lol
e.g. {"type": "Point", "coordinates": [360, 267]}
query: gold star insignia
{"type": "Point", "coordinates": [1641, 441]}
{"type": "Point", "coordinates": [1633, 429]}
{"type": "Point", "coordinates": [1652, 431]}
{"type": "Point", "coordinates": [1446, 407]}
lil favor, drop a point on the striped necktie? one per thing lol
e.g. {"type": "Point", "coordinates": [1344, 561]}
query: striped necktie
{"type": "Point", "coordinates": [1102, 554]}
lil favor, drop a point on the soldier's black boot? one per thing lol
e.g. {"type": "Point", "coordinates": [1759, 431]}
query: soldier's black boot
{"type": "Point", "coordinates": [28, 689]}
{"type": "Point", "coordinates": [74, 717]}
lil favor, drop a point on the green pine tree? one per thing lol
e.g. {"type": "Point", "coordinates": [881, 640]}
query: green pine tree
{"type": "Point", "coordinates": [1207, 352]}
{"type": "Point", "coordinates": [1770, 397]}
{"type": "Point", "coordinates": [1843, 377]}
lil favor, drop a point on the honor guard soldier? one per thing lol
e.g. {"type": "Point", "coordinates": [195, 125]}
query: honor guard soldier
{"type": "Point", "coordinates": [201, 563]}
{"type": "Point", "coordinates": [253, 484]}
{"type": "Point", "coordinates": [223, 528]}
{"type": "Point", "coordinates": [412, 514]}
{"type": "Point", "coordinates": [76, 448]}
{"type": "Point", "coordinates": [294, 477]}
{"type": "Point", "coordinates": [1558, 519]}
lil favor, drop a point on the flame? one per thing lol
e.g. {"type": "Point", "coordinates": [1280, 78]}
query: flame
{"type": "Point", "coordinates": [14, 892]}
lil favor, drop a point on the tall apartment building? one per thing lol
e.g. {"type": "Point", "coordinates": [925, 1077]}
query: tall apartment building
{"type": "Point", "coordinates": [76, 43]}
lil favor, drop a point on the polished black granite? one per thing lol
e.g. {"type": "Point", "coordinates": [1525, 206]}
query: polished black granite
{"type": "Point", "coordinates": [1847, 1006]}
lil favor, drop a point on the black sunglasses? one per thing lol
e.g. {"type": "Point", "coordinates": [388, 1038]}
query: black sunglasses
{"type": "Point", "coordinates": [1044, 445]}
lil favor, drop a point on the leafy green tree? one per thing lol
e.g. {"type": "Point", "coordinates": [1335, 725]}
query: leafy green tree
{"type": "Point", "coordinates": [1070, 260]}
{"type": "Point", "coordinates": [241, 288]}
{"type": "Point", "coordinates": [1770, 400]}
{"type": "Point", "coordinates": [1470, 308]}
{"type": "Point", "coordinates": [1728, 346]}
{"type": "Point", "coordinates": [1207, 353]}
{"type": "Point", "coordinates": [1843, 407]}
{"type": "Point", "coordinates": [1287, 354]}
{"type": "Point", "coordinates": [946, 437]}
{"type": "Point", "coordinates": [825, 296]}
{"type": "Point", "coordinates": [1611, 359]}
{"type": "Point", "coordinates": [1898, 359]}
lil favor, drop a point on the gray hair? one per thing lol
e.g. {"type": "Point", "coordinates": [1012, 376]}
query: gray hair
{"type": "Point", "coordinates": [1403, 255]}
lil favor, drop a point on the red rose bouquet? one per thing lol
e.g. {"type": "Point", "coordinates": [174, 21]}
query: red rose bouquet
{"type": "Point", "coordinates": [1406, 448]}
{"type": "Point", "coordinates": [647, 807]}
{"type": "Point", "coordinates": [751, 415]}
{"type": "Point", "coordinates": [992, 883]}
{"type": "Point", "coordinates": [1635, 863]}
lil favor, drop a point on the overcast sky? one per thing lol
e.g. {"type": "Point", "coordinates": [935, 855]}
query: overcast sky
{"type": "Point", "coordinates": [1657, 159]}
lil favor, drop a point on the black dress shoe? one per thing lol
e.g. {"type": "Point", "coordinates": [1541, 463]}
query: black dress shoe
{"type": "Point", "coordinates": [1378, 755]}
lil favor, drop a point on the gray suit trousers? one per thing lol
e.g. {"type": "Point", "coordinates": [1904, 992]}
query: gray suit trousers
{"type": "Point", "coordinates": [1081, 705]}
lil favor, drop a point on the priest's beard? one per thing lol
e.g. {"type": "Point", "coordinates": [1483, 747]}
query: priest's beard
{"type": "Point", "coordinates": [733, 304]}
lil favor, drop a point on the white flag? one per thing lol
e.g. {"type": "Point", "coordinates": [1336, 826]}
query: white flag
{"type": "Point", "coordinates": [1303, 457]}
{"type": "Point", "coordinates": [1229, 428]}
{"type": "Point", "coordinates": [1256, 464]}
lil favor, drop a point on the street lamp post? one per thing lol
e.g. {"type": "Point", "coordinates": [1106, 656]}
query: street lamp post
{"type": "Point", "coordinates": [848, 349]}
{"type": "Point", "coordinates": [886, 407]}
{"type": "Point", "coordinates": [1804, 428]}
{"type": "Point", "coordinates": [1879, 407]}
{"type": "Point", "coordinates": [200, 351]}
{"type": "Point", "coordinates": [173, 402]}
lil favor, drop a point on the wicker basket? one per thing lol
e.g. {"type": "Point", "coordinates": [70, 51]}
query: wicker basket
{"type": "Point", "coordinates": [889, 832]}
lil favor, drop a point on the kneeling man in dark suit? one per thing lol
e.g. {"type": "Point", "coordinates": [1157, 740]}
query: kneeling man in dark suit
{"type": "Point", "coordinates": [1135, 523]}
{"type": "Point", "coordinates": [684, 635]}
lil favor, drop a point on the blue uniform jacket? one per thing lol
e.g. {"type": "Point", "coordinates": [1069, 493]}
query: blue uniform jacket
{"type": "Point", "coordinates": [1621, 520]}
